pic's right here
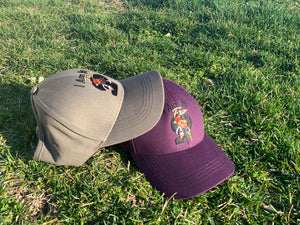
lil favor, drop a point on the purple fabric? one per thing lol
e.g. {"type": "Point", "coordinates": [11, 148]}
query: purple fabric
{"type": "Point", "coordinates": [177, 156]}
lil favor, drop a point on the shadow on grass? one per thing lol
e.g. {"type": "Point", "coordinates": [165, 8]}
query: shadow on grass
{"type": "Point", "coordinates": [17, 124]}
{"type": "Point", "coordinates": [18, 139]}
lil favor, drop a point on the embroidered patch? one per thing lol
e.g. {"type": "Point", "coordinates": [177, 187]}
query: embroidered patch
{"type": "Point", "coordinates": [104, 84]}
{"type": "Point", "coordinates": [181, 124]}
{"type": "Point", "coordinates": [100, 82]}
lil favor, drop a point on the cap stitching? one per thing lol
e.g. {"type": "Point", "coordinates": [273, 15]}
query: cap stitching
{"type": "Point", "coordinates": [144, 108]}
{"type": "Point", "coordinates": [115, 119]}
{"type": "Point", "coordinates": [40, 144]}
{"type": "Point", "coordinates": [215, 164]}
{"type": "Point", "coordinates": [54, 76]}
{"type": "Point", "coordinates": [61, 120]}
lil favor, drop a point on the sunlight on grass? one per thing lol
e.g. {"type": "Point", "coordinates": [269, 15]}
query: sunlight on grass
{"type": "Point", "coordinates": [238, 59]}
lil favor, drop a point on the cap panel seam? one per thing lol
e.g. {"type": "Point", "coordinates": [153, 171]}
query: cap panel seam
{"type": "Point", "coordinates": [116, 116]}
{"type": "Point", "coordinates": [133, 146]}
{"type": "Point", "coordinates": [189, 143]}
{"type": "Point", "coordinates": [41, 144]}
{"type": "Point", "coordinates": [61, 120]}
{"type": "Point", "coordinates": [54, 76]}
{"type": "Point", "coordinates": [178, 149]}
{"type": "Point", "coordinates": [39, 148]}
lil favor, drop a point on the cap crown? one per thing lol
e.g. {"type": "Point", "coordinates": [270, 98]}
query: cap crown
{"type": "Point", "coordinates": [79, 99]}
{"type": "Point", "coordinates": [180, 127]}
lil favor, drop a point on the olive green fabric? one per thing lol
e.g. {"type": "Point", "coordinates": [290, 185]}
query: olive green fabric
{"type": "Point", "coordinates": [79, 111]}
{"type": "Point", "coordinates": [141, 111]}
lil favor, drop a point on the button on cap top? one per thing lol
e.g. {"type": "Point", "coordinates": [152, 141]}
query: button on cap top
{"type": "Point", "coordinates": [34, 90]}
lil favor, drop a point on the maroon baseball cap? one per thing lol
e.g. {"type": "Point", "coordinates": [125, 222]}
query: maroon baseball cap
{"type": "Point", "coordinates": [177, 156]}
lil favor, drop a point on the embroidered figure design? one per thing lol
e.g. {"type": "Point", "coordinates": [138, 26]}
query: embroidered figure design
{"type": "Point", "coordinates": [181, 124]}
{"type": "Point", "coordinates": [104, 84]}
{"type": "Point", "coordinates": [99, 82]}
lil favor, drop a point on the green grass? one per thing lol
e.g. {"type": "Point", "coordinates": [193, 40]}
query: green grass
{"type": "Point", "coordinates": [249, 49]}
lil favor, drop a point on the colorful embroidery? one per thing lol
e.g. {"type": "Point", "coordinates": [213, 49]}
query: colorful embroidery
{"type": "Point", "coordinates": [99, 82]}
{"type": "Point", "coordinates": [181, 124]}
{"type": "Point", "coordinates": [104, 84]}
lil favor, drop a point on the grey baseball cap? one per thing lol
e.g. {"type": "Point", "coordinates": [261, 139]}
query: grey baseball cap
{"type": "Point", "coordinates": [79, 111]}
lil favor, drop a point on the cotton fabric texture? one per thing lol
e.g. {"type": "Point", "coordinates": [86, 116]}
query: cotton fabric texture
{"type": "Point", "coordinates": [177, 156]}
{"type": "Point", "coordinates": [79, 111]}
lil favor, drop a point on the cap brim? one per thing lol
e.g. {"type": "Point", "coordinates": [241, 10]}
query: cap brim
{"type": "Point", "coordinates": [187, 173]}
{"type": "Point", "coordinates": [141, 109]}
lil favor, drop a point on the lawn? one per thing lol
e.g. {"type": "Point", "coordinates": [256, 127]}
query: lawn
{"type": "Point", "coordinates": [238, 58]}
